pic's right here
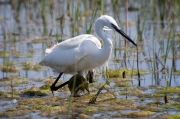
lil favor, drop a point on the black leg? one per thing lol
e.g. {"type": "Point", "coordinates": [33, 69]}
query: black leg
{"type": "Point", "coordinates": [53, 86]}
{"type": "Point", "coordinates": [89, 76]}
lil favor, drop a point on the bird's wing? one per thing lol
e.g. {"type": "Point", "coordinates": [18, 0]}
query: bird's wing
{"type": "Point", "coordinates": [68, 52]}
{"type": "Point", "coordinates": [73, 43]}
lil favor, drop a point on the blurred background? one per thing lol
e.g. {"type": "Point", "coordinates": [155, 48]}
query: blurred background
{"type": "Point", "coordinates": [28, 27]}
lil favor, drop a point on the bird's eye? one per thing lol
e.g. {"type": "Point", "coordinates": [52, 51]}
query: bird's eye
{"type": "Point", "coordinates": [115, 27]}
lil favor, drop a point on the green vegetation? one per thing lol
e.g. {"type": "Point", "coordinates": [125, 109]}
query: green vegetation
{"type": "Point", "coordinates": [118, 72]}
{"type": "Point", "coordinates": [35, 25]}
{"type": "Point", "coordinates": [34, 91]}
{"type": "Point", "coordinates": [174, 116]}
{"type": "Point", "coordinates": [31, 66]}
{"type": "Point", "coordinates": [77, 83]}
{"type": "Point", "coordinates": [139, 114]}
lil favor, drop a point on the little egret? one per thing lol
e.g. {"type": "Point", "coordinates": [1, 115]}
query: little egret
{"type": "Point", "coordinates": [83, 52]}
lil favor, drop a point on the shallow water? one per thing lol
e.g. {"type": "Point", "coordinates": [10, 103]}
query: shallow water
{"type": "Point", "coordinates": [21, 23]}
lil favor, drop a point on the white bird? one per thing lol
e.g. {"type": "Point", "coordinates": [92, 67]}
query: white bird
{"type": "Point", "coordinates": [83, 52]}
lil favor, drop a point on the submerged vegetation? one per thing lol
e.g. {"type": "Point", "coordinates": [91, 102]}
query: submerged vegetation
{"type": "Point", "coordinates": [29, 27]}
{"type": "Point", "coordinates": [118, 72]}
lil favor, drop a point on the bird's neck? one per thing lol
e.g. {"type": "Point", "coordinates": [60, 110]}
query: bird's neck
{"type": "Point", "coordinates": [107, 43]}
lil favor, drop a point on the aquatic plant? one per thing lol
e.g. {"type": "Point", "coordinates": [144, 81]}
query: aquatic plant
{"type": "Point", "coordinates": [4, 54]}
{"type": "Point", "coordinates": [77, 83]}
{"type": "Point", "coordinates": [139, 114]}
{"type": "Point", "coordinates": [35, 25]}
{"type": "Point", "coordinates": [35, 91]}
{"type": "Point", "coordinates": [174, 116]}
{"type": "Point", "coordinates": [31, 66]}
{"type": "Point", "coordinates": [169, 90]}
{"type": "Point", "coordinates": [11, 69]}
{"type": "Point", "coordinates": [118, 72]}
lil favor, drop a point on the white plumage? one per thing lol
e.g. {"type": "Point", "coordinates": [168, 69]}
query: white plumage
{"type": "Point", "coordinates": [74, 55]}
{"type": "Point", "coordinates": [83, 52]}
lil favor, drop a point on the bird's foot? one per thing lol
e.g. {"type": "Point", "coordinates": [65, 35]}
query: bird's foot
{"type": "Point", "coordinates": [52, 92]}
{"type": "Point", "coordinates": [53, 88]}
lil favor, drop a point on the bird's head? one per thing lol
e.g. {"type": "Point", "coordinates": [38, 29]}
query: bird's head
{"type": "Point", "coordinates": [108, 23]}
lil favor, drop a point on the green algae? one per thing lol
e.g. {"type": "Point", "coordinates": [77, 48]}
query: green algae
{"type": "Point", "coordinates": [171, 106]}
{"type": "Point", "coordinates": [37, 107]}
{"type": "Point", "coordinates": [8, 63]}
{"type": "Point", "coordinates": [9, 94]}
{"type": "Point", "coordinates": [37, 67]}
{"type": "Point", "coordinates": [86, 97]}
{"type": "Point", "coordinates": [118, 107]}
{"type": "Point", "coordinates": [105, 96]}
{"type": "Point", "coordinates": [46, 106]}
{"type": "Point", "coordinates": [131, 91]}
{"type": "Point", "coordinates": [139, 114]}
{"type": "Point", "coordinates": [177, 72]}
{"type": "Point", "coordinates": [34, 91]}
{"type": "Point", "coordinates": [45, 87]}
{"type": "Point", "coordinates": [41, 101]}
{"type": "Point", "coordinates": [32, 101]}
{"type": "Point", "coordinates": [4, 94]}
{"type": "Point", "coordinates": [4, 54]}
{"type": "Point", "coordinates": [98, 85]}
{"type": "Point", "coordinates": [90, 109]}
{"type": "Point", "coordinates": [77, 83]}
{"type": "Point", "coordinates": [151, 95]}
{"type": "Point", "coordinates": [11, 69]}
{"type": "Point", "coordinates": [118, 72]}
{"type": "Point", "coordinates": [121, 79]}
{"type": "Point", "coordinates": [162, 116]}
{"type": "Point", "coordinates": [123, 84]}
{"type": "Point", "coordinates": [52, 107]}
{"type": "Point", "coordinates": [169, 90]}
{"type": "Point", "coordinates": [15, 111]}
{"type": "Point", "coordinates": [23, 110]}
{"type": "Point", "coordinates": [13, 80]}
{"type": "Point", "coordinates": [123, 107]}
{"type": "Point", "coordinates": [153, 109]}
{"type": "Point", "coordinates": [174, 116]}
{"type": "Point", "coordinates": [122, 101]}
{"type": "Point", "coordinates": [28, 65]}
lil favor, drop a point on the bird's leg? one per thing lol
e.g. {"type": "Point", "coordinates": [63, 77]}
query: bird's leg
{"type": "Point", "coordinates": [88, 90]}
{"type": "Point", "coordinates": [89, 76]}
{"type": "Point", "coordinates": [53, 86]}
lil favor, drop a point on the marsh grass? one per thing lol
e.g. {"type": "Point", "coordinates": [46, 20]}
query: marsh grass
{"type": "Point", "coordinates": [46, 22]}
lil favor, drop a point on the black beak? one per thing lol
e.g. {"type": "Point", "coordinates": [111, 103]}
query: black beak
{"type": "Point", "coordinates": [123, 34]}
